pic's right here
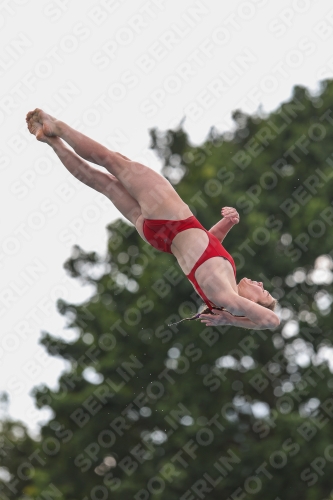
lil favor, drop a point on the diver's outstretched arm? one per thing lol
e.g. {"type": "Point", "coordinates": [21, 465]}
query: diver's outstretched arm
{"type": "Point", "coordinates": [222, 318]}
{"type": "Point", "coordinates": [257, 314]}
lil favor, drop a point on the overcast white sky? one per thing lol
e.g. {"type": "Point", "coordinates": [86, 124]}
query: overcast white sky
{"type": "Point", "coordinates": [114, 69]}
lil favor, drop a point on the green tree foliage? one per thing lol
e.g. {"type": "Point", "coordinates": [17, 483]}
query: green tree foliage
{"type": "Point", "coordinates": [148, 411]}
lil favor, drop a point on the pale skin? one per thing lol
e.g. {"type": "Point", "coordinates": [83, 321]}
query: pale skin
{"type": "Point", "coordinates": [139, 193]}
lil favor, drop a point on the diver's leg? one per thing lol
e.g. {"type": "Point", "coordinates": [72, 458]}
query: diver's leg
{"type": "Point", "coordinates": [103, 182]}
{"type": "Point", "coordinates": [155, 195]}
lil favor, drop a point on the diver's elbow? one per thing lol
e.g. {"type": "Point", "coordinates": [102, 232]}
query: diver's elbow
{"type": "Point", "coordinates": [273, 323]}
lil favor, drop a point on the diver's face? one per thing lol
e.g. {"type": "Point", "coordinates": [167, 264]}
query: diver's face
{"type": "Point", "coordinates": [254, 290]}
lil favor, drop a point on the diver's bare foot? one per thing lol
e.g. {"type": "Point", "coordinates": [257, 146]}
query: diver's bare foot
{"type": "Point", "coordinates": [49, 124]}
{"type": "Point", "coordinates": [36, 129]}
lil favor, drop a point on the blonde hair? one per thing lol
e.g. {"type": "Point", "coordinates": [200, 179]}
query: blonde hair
{"type": "Point", "coordinates": [272, 305]}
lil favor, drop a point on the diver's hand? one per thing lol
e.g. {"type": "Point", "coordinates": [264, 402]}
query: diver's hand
{"type": "Point", "coordinates": [231, 214]}
{"type": "Point", "coordinates": [218, 318]}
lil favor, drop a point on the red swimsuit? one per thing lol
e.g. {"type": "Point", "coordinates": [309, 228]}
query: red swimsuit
{"type": "Point", "coordinates": [160, 233]}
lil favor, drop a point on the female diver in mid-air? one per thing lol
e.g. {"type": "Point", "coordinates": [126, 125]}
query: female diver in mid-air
{"type": "Point", "coordinates": [163, 220]}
